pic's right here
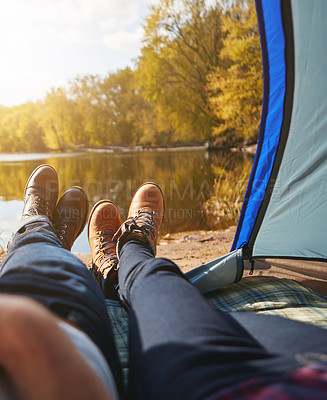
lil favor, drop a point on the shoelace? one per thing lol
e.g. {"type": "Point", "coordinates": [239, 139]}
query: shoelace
{"type": "Point", "coordinates": [144, 221]}
{"type": "Point", "coordinates": [39, 206]}
{"type": "Point", "coordinates": [107, 252]}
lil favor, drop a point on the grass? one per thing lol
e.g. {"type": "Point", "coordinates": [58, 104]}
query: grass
{"type": "Point", "coordinates": [223, 208]}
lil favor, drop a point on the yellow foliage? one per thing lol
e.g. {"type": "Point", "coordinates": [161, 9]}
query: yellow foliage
{"type": "Point", "coordinates": [236, 88]}
{"type": "Point", "coordinates": [198, 78]}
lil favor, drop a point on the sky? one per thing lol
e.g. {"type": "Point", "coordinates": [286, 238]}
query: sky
{"type": "Point", "coordinates": [46, 43]}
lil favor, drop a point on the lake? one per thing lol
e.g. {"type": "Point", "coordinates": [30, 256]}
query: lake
{"type": "Point", "coordinates": [186, 177]}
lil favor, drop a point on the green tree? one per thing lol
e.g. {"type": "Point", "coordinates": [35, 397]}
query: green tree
{"type": "Point", "coordinates": [182, 44]}
{"type": "Point", "coordinates": [21, 129]}
{"type": "Point", "coordinates": [235, 87]}
{"type": "Point", "coordinates": [126, 106]}
{"type": "Point", "coordinates": [63, 125]}
{"type": "Point", "coordinates": [93, 112]}
{"type": "Point", "coordinates": [8, 126]}
{"type": "Point", "coordinates": [198, 78]}
{"type": "Point", "coordinates": [30, 133]}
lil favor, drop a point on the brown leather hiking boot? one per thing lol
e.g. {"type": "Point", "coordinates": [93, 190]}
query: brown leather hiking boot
{"type": "Point", "coordinates": [70, 219]}
{"type": "Point", "coordinates": [41, 192]}
{"type": "Point", "coordinates": [145, 217]}
{"type": "Point", "coordinates": [104, 221]}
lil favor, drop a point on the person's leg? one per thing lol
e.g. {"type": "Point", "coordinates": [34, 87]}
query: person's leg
{"type": "Point", "coordinates": [183, 348]}
{"type": "Point", "coordinates": [180, 347]}
{"type": "Point", "coordinates": [38, 266]}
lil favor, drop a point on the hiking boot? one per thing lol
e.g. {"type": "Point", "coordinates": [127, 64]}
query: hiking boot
{"type": "Point", "coordinates": [104, 221]}
{"type": "Point", "coordinates": [145, 217]}
{"type": "Point", "coordinates": [41, 192]}
{"type": "Point", "coordinates": [71, 215]}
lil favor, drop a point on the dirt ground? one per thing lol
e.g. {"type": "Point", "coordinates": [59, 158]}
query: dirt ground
{"type": "Point", "coordinates": [187, 249]}
{"type": "Point", "coordinates": [190, 249]}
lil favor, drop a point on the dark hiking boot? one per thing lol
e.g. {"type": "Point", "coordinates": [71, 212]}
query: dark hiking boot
{"type": "Point", "coordinates": [104, 221]}
{"type": "Point", "coordinates": [145, 217]}
{"type": "Point", "coordinates": [41, 192]}
{"type": "Point", "coordinates": [71, 215]}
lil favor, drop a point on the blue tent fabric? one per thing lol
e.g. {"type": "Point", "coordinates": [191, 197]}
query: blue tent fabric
{"type": "Point", "coordinates": [294, 221]}
{"type": "Point", "coordinates": [283, 223]}
{"type": "Point", "coordinates": [273, 51]}
{"type": "Point", "coordinates": [284, 213]}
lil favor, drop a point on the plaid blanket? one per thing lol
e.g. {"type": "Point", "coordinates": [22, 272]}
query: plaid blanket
{"type": "Point", "coordinates": [284, 297]}
{"type": "Point", "coordinates": [265, 295]}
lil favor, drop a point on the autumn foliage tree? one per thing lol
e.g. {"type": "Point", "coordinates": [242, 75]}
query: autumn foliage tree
{"type": "Point", "coordinates": [236, 86]}
{"type": "Point", "coordinates": [182, 44]}
{"type": "Point", "coordinates": [198, 78]}
{"type": "Point", "coordinates": [126, 104]}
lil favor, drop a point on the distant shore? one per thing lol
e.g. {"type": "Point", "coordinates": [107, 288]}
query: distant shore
{"type": "Point", "coordinates": [251, 149]}
{"type": "Point", "coordinates": [136, 149]}
{"type": "Point", "coordinates": [164, 148]}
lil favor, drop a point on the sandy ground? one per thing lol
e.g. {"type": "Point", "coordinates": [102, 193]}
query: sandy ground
{"type": "Point", "coordinates": [190, 249]}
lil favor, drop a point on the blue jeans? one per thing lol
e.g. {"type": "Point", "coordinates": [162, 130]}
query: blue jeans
{"type": "Point", "coordinates": [37, 266]}
{"type": "Point", "coordinates": [181, 348]}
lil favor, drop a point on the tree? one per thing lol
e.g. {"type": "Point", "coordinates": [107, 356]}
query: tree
{"type": "Point", "coordinates": [21, 129]}
{"type": "Point", "coordinates": [94, 113]}
{"type": "Point", "coordinates": [7, 128]}
{"type": "Point", "coordinates": [198, 78]}
{"type": "Point", "coordinates": [29, 132]}
{"type": "Point", "coordinates": [182, 45]}
{"type": "Point", "coordinates": [125, 103]}
{"type": "Point", "coordinates": [235, 87]}
{"type": "Point", "coordinates": [62, 123]}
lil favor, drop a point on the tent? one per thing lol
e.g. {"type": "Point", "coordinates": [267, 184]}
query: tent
{"type": "Point", "coordinates": [283, 224]}
{"type": "Point", "coordinates": [282, 229]}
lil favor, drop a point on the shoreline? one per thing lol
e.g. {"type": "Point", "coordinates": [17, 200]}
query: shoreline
{"type": "Point", "coordinates": [139, 149]}
{"type": "Point", "coordinates": [251, 149]}
{"type": "Point", "coordinates": [207, 146]}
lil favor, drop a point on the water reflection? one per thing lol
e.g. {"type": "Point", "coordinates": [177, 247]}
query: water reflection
{"type": "Point", "coordinates": [186, 178]}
